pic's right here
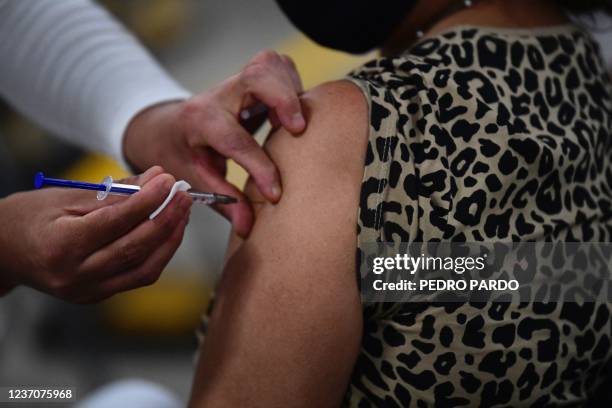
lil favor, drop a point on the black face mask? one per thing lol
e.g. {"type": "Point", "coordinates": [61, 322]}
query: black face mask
{"type": "Point", "coordinates": [354, 26]}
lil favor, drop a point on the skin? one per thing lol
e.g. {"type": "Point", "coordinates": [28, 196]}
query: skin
{"type": "Point", "coordinates": [69, 245]}
{"type": "Point", "coordinates": [286, 327]}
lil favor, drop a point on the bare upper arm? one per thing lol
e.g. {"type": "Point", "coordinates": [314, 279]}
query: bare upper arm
{"type": "Point", "coordinates": [286, 327]}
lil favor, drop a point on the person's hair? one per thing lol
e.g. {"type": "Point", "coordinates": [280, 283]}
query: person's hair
{"type": "Point", "coordinates": [586, 6]}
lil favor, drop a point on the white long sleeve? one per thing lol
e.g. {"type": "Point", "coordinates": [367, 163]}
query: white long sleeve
{"type": "Point", "coordinates": [73, 69]}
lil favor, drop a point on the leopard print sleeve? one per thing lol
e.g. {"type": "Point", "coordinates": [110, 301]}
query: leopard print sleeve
{"type": "Point", "coordinates": [479, 134]}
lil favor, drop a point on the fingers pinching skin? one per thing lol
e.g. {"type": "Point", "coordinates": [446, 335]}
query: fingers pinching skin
{"type": "Point", "coordinates": [176, 133]}
{"type": "Point", "coordinates": [220, 136]}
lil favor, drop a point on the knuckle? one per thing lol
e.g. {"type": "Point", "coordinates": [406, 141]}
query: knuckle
{"type": "Point", "coordinates": [288, 100]}
{"type": "Point", "coordinates": [149, 276]}
{"type": "Point", "coordinates": [62, 288]}
{"type": "Point", "coordinates": [194, 108]}
{"type": "Point", "coordinates": [196, 115]}
{"type": "Point", "coordinates": [157, 169]}
{"type": "Point", "coordinates": [130, 255]}
{"type": "Point", "coordinates": [58, 284]}
{"type": "Point", "coordinates": [107, 214]}
{"type": "Point", "coordinates": [52, 257]}
{"type": "Point", "coordinates": [269, 170]}
{"type": "Point", "coordinates": [187, 114]}
{"type": "Point", "coordinates": [266, 57]}
{"type": "Point", "coordinates": [240, 144]}
{"type": "Point", "coordinates": [254, 72]}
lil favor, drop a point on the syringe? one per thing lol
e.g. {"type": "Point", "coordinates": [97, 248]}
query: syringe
{"type": "Point", "coordinates": [109, 187]}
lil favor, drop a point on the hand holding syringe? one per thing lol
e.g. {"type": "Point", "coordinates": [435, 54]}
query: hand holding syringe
{"type": "Point", "coordinates": [109, 187]}
{"type": "Point", "coordinates": [74, 247]}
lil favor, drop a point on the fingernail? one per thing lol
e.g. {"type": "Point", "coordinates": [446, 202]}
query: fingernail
{"type": "Point", "coordinates": [275, 191]}
{"type": "Point", "coordinates": [298, 120]}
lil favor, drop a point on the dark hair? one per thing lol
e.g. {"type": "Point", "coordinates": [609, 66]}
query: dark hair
{"type": "Point", "coordinates": [586, 6]}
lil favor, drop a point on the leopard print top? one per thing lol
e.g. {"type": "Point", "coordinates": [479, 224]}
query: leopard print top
{"type": "Point", "coordinates": [479, 134]}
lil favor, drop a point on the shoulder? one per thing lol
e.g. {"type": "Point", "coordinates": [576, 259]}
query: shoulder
{"type": "Point", "coordinates": [336, 114]}
{"type": "Point", "coordinates": [404, 89]}
{"type": "Point", "coordinates": [398, 71]}
{"type": "Point", "coordinates": [333, 145]}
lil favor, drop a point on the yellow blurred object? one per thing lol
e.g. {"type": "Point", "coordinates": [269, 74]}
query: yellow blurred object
{"type": "Point", "coordinates": [315, 64]}
{"type": "Point", "coordinates": [171, 306]}
{"type": "Point", "coordinates": [159, 22]}
{"type": "Point", "coordinates": [94, 167]}
{"type": "Point", "coordinates": [155, 23]}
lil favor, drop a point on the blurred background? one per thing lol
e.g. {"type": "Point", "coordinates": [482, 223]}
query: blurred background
{"type": "Point", "coordinates": [148, 333]}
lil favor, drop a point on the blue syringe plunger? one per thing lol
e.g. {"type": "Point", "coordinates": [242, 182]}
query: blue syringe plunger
{"type": "Point", "coordinates": [41, 181]}
{"type": "Point", "coordinates": [38, 180]}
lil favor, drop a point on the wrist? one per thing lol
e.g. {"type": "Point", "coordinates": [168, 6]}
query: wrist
{"type": "Point", "coordinates": [141, 145]}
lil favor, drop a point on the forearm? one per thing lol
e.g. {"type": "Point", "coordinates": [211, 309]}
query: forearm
{"type": "Point", "coordinates": [76, 71]}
